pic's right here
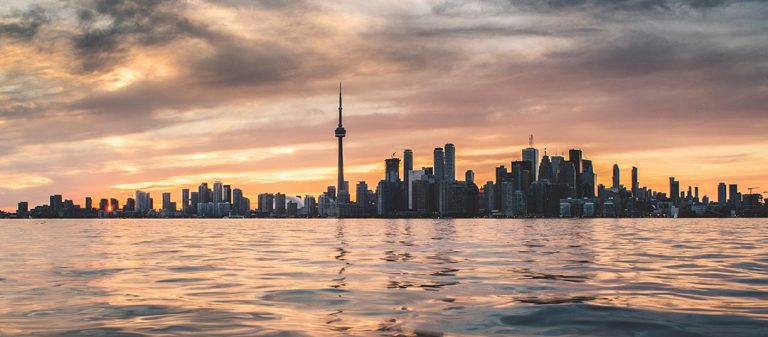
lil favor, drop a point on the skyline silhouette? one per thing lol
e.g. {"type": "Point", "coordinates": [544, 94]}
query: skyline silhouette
{"type": "Point", "coordinates": [99, 100]}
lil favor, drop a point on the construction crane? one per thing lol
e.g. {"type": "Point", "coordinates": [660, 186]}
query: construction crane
{"type": "Point", "coordinates": [752, 188]}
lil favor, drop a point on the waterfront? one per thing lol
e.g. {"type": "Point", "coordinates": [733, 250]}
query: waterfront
{"type": "Point", "coordinates": [371, 277]}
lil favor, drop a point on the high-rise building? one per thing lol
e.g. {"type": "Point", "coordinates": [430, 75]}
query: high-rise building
{"type": "Point", "coordinates": [575, 156]}
{"type": "Point", "coordinates": [545, 170]}
{"type": "Point", "coordinates": [635, 182]}
{"type": "Point", "coordinates": [218, 192]}
{"type": "Point", "coordinates": [469, 177]}
{"type": "Point", "coordinates": [674, 189]}
{"type": "Point", "coordinates": [722, 198]}
{"type": "Point", "coordinates": [340, 133]}
{"type": "Point", "coordinates": [361, 193]}
{"type": "Point", "coordinates": [22, 209]}
{"type": "Point", "coordinates": [616, 176]}
{"type": "Point", "coordinates": [310, 206]}
{"type": "Point", "coordinates": [279, 204]}
{"type": "Point", "coordinates": [266, 203]}
{"type": "Point", "coordinates": [185, 200]}
{"type": "Point", "coordinates": [167, 202]}
{"type": "Point", "coordinates": [194, 199]}
{"type": "Point", "coordinates": [450, 163]}
{"type": "Point", "coordinates": [392, 173]}
{"type": "Point", "coordinates": [143, 202]}
{"type": "Point", "coordinates": [733, 195]}
{"type": "Point", "coordinates": [227, 194]}
{"type": "Point", "coordinates": [588, 179]}
{"type": "Point", "coordinates": [407, 168]}
{"type": "Point", "coordinates": [558, 163]}
{"type": "Point", "coordinates": [130, 205]}
{"type": "Point", "coordinates": [202, 193]}
{"type": "Point", "coordinates": [237, 201]}
{"type": "Point", "coordinates": [88, 204]}
{"type": "Point", "coordinates": [439, 166]}
{"type": "Point", "coordinates": [531, 154]}
{"type": "Point", "coordinates": [489, 198]}
{"type": "Point", "coordinates": [501, 176]}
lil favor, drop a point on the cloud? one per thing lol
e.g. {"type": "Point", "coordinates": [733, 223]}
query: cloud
{"type": "Point", "coordinates": [24, 25]}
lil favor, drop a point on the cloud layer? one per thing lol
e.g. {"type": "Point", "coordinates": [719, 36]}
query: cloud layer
{"type": "Point", "coordinates": [98, 97]}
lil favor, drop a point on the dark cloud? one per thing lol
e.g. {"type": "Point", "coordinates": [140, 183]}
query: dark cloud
{"type": "Point", "coordinates": [24, 25]}
{"type": "Point", "coordinates": [131, 23]}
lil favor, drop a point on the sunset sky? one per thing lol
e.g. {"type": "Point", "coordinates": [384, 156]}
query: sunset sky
{"type": "Point", "coordinates": [100, 98]}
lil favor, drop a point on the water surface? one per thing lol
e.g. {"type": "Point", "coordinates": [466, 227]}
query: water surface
{"type": "Point", "coordinates": [243, 277]}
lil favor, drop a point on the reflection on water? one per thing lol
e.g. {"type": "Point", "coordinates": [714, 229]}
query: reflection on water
{"type": "Point", "coordinates": [384, 277]}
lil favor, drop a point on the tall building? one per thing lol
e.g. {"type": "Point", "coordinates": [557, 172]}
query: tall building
{"type": "Point", "coordinates": [722, 198]}
{"type": "Point", "coordinates": [143, 202]}
{"type": "Point", "coordinates": [22, 209]}
{"type": "Point", "coordinates": [575, 156]}
{"type": "Point", "coordinates": [635, 182]}
{"type": "Point", "coordinates": [218, 192]}
{"type": "Point", "coordinates": [501, 176]}
{"type": "Point", "coordinates": [266, 203]}
{"type": "Point", "coordinates": [392, 172]}
{"type": "Point", "coordinates": [439, 166]}
{"type": "Point", "coordinates": [531, 154]}
{"type": "Point", "coordinates": [185, 200]}
{"type": "Point", "coordinates": [450, 163]}
{"type": "Point", "coordinates": [558, 162]}
{"type": "Point", "coordinates": [545, 169]}
{"type": "Point", "coordinates": [733, 195]}
{"type": "Point", "coordinates": [588, 179]}
{"type": "Point", "coordinates": [227, 194]}
{"type": "Point", "coordinates": [616, 176]}
{"type": "Point", "coordinates": [407, 168]}
{"type": "Point", "coordinates": [340, 134]}
{"type": "Point", "coordinates": [674, 189]}
{"type": "Point", "coordinates": [279, 204]}
{"type": "Point", "coordinates": [202, 193]}
{"type": "Point", "coordinates": [361, 193]}
{"type": "Point", "coordinates": [167, 202]}
{"type": "Point", "coordinates": [469, 177]}
{"type": "Point", "coordinates": [88, 204]}
{"type": "Point", "coordinates": [237, 201]}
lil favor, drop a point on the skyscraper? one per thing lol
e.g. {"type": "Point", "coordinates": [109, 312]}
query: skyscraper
{"type": "Point", "coordinates": [545, 169]}
{"type": "Point", "coordinates": [218, 192]}
{"type": "Point", "coordinates": [439, 165]}
{"type": "Point", "coordinates": [574, 156]}
{"type": "Point", "coordinates": [392, 172]}
{"type": "Point", "coordinates": [616, 176]}
{"type": "Point", "coordinates": [407, 168]}
{"type": "Point", "coordinates": [469, 177]}
{"type": "Point", "coordinates": [237, 201]}
{"type": "Point", "coordinates": [227, 194]}
{"type": "Point", "coordinates": [450, 163]}
{"type": "Point", "coordinates": [635, 182]}
{"type": "Point", "coordinates": [531, 155]}
{"type": "Point", "coordinates": [202, 194]}
{"type": "Point", "coordinates": [588, 179]}
{"type": "Point", "coordinates": [185, 200]}
{"type": "Point", "coordinates": [721, 194]}
{"type": "Point", "coordinates": [733, 195]}
{"type": "Point", "coordinates": [340, 134]}
{"type": "Point", "coordinates": [674, 189]}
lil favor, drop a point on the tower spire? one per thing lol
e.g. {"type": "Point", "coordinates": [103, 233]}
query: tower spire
{"type": "Point", "coordinates": [339, 103]}
{"type": "Point", "coordinates": [342, 194]}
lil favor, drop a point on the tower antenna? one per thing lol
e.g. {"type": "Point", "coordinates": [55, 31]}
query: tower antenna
{"type": "Point", "coordinates": [530, 140]}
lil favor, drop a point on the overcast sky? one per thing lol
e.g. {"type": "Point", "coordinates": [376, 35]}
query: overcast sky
{"type": "Point", "coordinates": [100, 98]}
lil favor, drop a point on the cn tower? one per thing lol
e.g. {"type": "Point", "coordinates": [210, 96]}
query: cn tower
{"type": "Point", "coordinates": [340, 133]}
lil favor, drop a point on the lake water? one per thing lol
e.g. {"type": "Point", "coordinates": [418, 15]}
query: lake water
{"type": "Point", "coordinates": [243, 277]}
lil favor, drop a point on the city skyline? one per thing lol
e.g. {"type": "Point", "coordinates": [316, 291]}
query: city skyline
{"type": "Point", "coordinates": [90, 107]}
